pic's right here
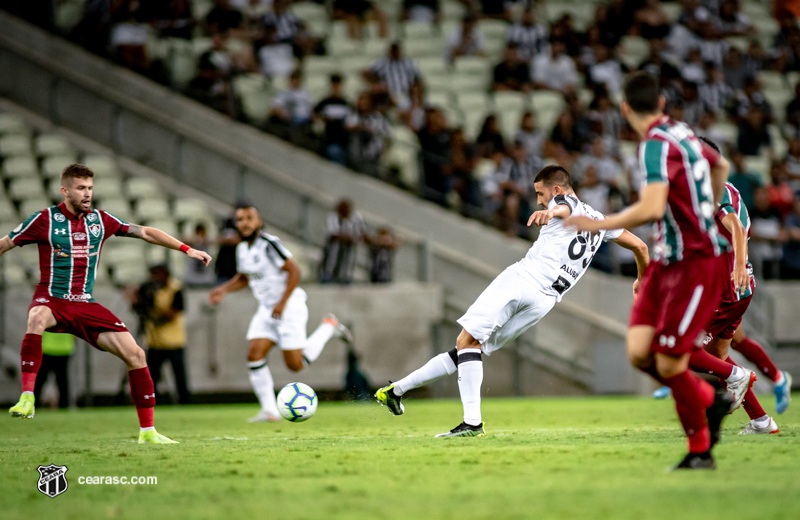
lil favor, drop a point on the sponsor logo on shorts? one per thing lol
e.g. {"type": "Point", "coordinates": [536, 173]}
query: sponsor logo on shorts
{"type": "Point", "coordinates": [119, 324]}
{"type": "Point", "coordinates": [77, 297]}
{"type": "Point", "coordinates": [79, 236]}
{"type": "Point", "coordinates": [59, 217]}
{"type": "Point", "coordinates": [52, 480]}
{"type": "Point", "coordinates": [94, 229]}
{"type": "Point", "coordinates": [91, 217]}
{"type": "Point", "coordinates": [42, 300]}
{"type": "Point", "coordinates": [666, 341]}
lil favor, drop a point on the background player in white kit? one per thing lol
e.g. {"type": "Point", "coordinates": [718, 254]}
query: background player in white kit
{"type": "Point", "coordinates": [263, 263]}
{"type": "Point", "coordinates": [518, 298]}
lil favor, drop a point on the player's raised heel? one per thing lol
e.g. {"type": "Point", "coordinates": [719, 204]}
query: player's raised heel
{"type": "Point", "coordinates": [751, 429]}
{"type": "Point", "coordinates": [263, 416]}
{"type": "Point", "coordinates": [387, 397]}
{"type": "Point", "coordinates": [783, 393]}
{"type": "Point", "coordinates": [722, 406]}
{"type": "Point", "coordinates": [24, 408]}
{"type": "Point", "coordinates": [465, 430]}
{"type": "Point", "coordinates": [662, 393]}
{"type": "Point", "coordinates": [697, 461]}
{"type": "Point", "coordinates": [740, 387]}
{"type": "Point", "coordinates": [340, 331]}
{"type": "Point", "coordinates": [153, 437]}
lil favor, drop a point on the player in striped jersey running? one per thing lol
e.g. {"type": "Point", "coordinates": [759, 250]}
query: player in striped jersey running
{"type": "Point", "coordinates": [683, 179]}
{"type": "Point", "coordinates": [70, 237]}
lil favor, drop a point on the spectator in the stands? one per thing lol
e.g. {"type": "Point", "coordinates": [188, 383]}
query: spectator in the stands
{"type": "Point", "coordinates": [513, 73]}
{"type": "Point", "coordinates": [271, 57]}
{"type": "Point", "coordinates": [253, 10]}
{"type": "Point", "coordinates": [791, 128]}
{"type": "Point", "coordinates": [793, 164]}
{"type": "Point", "coordinates": [749, 97]}
{"type": "Point", "coordinates": [290, 29]}
{"type": "Point", "coordinates": [396, 71]}
{"type": "Point", "coordinates": [292, 107]}
{"type": "Point", "coordinates": [531, 37]}
{"type": "Point", "coordinates": [345, 229]}
{"type": "Point", "coordinates": [422, 11]}
{"type": "Point", "coordinates": [224, 18]}
{"type": "Point", "coordinates": [497, 9]}
{"type": "Point", "coordinates": [592, 190]}
{"type": "Point", "coordinates": [705, 128]}
{"type": "Point", "coordinates": [435, 141]}
{"type": "Point", "coordinates": [196, 274]}
{"type": "Point", "coordinates": [465, 40]}
{"type": "Point", "coordinates": [731, 22]}
{"type": "Point", "coordinates": [382, 247]}
{"type": "Point", "coordinates": [170, 18]}
{"type": "Point", "coordinates": [556, 70]}
{"type": "Point", "coordinates": [565, 141]}
{"type": "Point", "coordinates": [764, 250]}
{"type": "Point", "coordinates": [651, 21]}
{"type": "Point", "coordinates": [693, 106]}
{"type": "Point", "coordinates": [357, 13]}
{"type": "Point", "coordinates": [753, 133]}
{"type": "Point", "coordinates": [756, 58]}
{"type": "Point", "coordinates": [369, 131]}
{"type": "Point", "coordinates": [715, 93]}
{"type": "Point", "coordinates": [734, 68]}
{"type": "Point", "coordinates": [464, 161]}
{"type": "Point", "coordinates": [563, 31]}
{"type": "Point", "coordinates": [606, 70]}
{"type": "Point", "coordinates": [781, 196]}
{"type": "Point", "coordinates": [129, 38]}
{"type": "Point", "coordinates": [607, 169]}
{"type": "Point", "coordinates": [215, 69]}
{"type": "Point", "coordinates": [334, 111]}
{"type": "Point", "coordinates": [531, 137]}
{"type": "Point", "coordinates": [744, 179]}
{"type": "Point", "coordinates": [603, 109]}
{"type": "Point", "coordinates": [790, 264]}
{"type": "Point", "coordinates": [514, 179]}
{"type": "Point", "coordinates": [412, 114]}
{"type": "Point", "coordinates": [656, 64]}
{"type": "Point", "coordinates": [490, 138]}
{"type": "Point", "coordinates": [693, 69]}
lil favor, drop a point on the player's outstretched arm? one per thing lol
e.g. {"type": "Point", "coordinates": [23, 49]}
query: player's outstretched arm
{"type": "Point", "coordinates": [237, 283]}
{"type": "Point", "coordinates": [159, 238]}
{"type": "Point", "coordinates": [541, 218]}
{"type": "Point", "coordinates": [6, 244]}
{"type": "Point", "coordinates": [719, 176]}
{"type": "Point", "coordinates": [740, 276]}
{"type": "Point", "coordinates": [651, 206]}
{"type": "Point", "coordinates": [640, 252]}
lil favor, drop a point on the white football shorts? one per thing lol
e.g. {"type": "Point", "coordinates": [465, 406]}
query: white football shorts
{"type": "Point", "coordinates": [509, 306]}
{"type": "Point", "coordinates": [289, 333]}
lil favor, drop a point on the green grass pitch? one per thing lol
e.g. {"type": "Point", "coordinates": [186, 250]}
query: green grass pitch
{"type": "Point", "coordinates": [571, 458]}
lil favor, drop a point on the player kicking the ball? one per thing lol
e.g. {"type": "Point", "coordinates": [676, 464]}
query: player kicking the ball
{"type": "Point", "coordinates": [683, 180]}
{"type": "Point", "coordinates": [518, 298]}
{"type": "Point", "coordinates": [70, 237]}
{"type": "Point", "coordinates": [273, 275]}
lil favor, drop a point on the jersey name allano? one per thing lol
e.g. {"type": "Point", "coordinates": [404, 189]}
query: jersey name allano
{"type": "Point", "coordinates": [263, 263]}
{"type": "Point", "coordinates": [69, 249]}
{"type": "Point", "coordinates": [560, 256]}
{"type": "Point", "coordinates": [672, 154]}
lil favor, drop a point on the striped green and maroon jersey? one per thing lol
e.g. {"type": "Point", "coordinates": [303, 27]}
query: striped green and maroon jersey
{"type": "Point", "coordinates": [671, 154]}
{"type": "Point", "coordinates": [69, 249]}
{"type": "Point", "coordinates": [732, 203]}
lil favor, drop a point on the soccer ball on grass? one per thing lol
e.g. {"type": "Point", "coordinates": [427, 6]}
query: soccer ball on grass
{"type": "Point", "coordinates": [297, 402]}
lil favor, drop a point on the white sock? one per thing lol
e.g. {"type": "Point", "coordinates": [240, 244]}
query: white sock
{"type": "Point", "coordinates": [761, 422]}
{"type": "Point", "coordinates": [148, 429]}
{"type": "Point", "coordinates": [470, 377]}
{"type": "Point", "coordinates": [263, 385]}
{"type": "Point", "coordinates": [316, 342]}
{"type": "Point", "coordinates": [736, 374]}
{"type": "Point", "coordinates": [438, 366]}
{"type": "Point", "coordinates": [780, 379]}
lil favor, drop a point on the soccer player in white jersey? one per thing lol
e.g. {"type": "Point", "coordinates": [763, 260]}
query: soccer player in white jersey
{"type": "Point", "coordinates": [518, 298]}
{"type": "Point", "coordinates": [263, 263]}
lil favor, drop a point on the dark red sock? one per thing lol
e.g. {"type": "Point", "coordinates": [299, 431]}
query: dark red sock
{"type": "Point", "coordinates": [144, 395]}
{"type": "Point", "coordinates": [692, 396]}
{"type": "Point", "coordinates": [755, 354]}
{"type": "Point", "coordinates": [702, 361]}
{"type": "Point", "coordinates": [31, 360]}
{"type": "Point", "coordinates": [751, 405]}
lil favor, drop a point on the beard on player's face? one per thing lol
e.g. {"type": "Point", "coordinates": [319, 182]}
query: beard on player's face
{"type": "Point", "coordinates": [248, 234]}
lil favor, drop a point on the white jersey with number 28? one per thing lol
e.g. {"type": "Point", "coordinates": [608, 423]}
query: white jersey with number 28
{"type": "Point", "coordinates": [560, 256]}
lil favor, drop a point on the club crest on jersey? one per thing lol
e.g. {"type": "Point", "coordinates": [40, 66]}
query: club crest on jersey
{"type": "Point", "coordinates": [59, 217]}
{"type": "Point", "coordinates": [94, 229]}
{"type": "Point", "coordinates": [52, 480]}
{"type": "Point", "coordinates": [91, 217]}
{"type": "Point", "coordinates": [42, 300]}
{"type": "Point", "coordinates": [79, 236]}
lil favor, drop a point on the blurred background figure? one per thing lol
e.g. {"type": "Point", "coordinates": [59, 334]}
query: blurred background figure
{"type": "Point", "coordinates": [345, 231]}
{"type": "Point", "coordinates": [57, 350]}
{"type": "Point", "coordinates": [197, 274]}
{"type": "Point", "coordinates": [382, 247]}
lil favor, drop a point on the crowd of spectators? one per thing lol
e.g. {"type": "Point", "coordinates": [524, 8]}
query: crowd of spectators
{"type": "Point", "coordinates": [705, 80]}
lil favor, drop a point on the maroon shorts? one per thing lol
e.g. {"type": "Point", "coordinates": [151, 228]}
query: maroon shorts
{"type": "Point", "coordinates": [678, 300]}
{"type": "Point", "coordinates": [85, 320]}
{"type": "Point", "coordinates": [726, 319]}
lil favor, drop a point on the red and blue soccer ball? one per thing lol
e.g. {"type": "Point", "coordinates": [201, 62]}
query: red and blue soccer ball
{"type": "Point", "coordinates": [297, 402]}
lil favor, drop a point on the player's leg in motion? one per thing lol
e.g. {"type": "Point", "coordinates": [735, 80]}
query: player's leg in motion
{"type": "Point", "coordinates": [40, 318]}
{"type": "Point", "coordinates": [261, 379]}
{"type": "Point", "coordinates": [755, 353]}
{"type": "Point", "coordinates": [715, 361]}
{"type": "Point", "coordinates": [470, 378]}
{"type": "Point", "coordinates": [329, 328]}
{"type": "Point", "coordinates": [444, 364]}
{"type": "Point", "coordinates": [123, 345]}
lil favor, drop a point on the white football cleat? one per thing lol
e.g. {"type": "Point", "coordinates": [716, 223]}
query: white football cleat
{"type": "Point", "coordinates": [750, 429]}
{"type": "Point", "coordinates": [265, 417]}
{"type": "Point", "coordinates": [740, 387]}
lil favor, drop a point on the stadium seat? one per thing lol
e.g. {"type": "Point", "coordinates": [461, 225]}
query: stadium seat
{"type": "Point", "coordinates": [493, 29]}
{"type": "Point", "coordinates": [419, 31]}
{"type": "Point", "coordinates": [14, 275]}
{"type": "Point", "coordinates": [119, 207]}
{"type": "Point", "coordinates": [182, 57]}
{"type": "Point", "coordinates": [473, 101]}
{"type": "Point", "coordinates": [759, 164]}
{"type": "Point", "coordinates": [472, 123]}
{"type": "Point", "coordinates": [431, 66]}
{"type": "Point", "coordinates": [405, 159]}
{"type": "Point", "coordinates": [452, 10]}
{"type": "Point", "coordinates": [7, 214]}
{"type": "Point", "coordinates": [404, 136]}
{"type": "Point", "coordinates": [308, 11]}
{"type": "Point", "coordinates": [320, 65]}
{"type": "Point", "coordinates": [474, 66]}
{"type": "Point", "coordinates": [54, 190]}
{"type": "Point", "coordinates": [510, 118]}
{"type": "Point", "coordinates": [117, 252]}
{"type": "Point", "coordinates": [510, 101]}
{"type": "Point", "coordinates": [30, 206]}
{"type": "Point", "coordinates": [439, 99]}
{"type": "Point", "coordinates": [424, 47]}
{"type": "Point", "coordinates": [54, 165]}
{"type": "Point", "coordinates": [102, 165]}
{"type": "Point", "coordinates": [11, 124]}
{"type": "Point", "coordinates": [144, 187]}
{"type": "Point", "coordinates": [634, 50]}
{"type": "Point", "coordinates": [190, 208]}
{"type": "Point", "coordinates": [779, 144]}
{"type": "Point", "coordinates": [15, 144]}
{"type": "Point", "coordinates": [52, 144]}
{"type": "Point", "coordinates": [443, 83]}
{"type": "Point", "coordinates": [149, 209]}
{"type": "Point", "coordinates": [484, 169]}
{"type": "Point", "coordinates": [773, 80]}
{"type": "Point", "coordinates": [20, 166]}
{"type": "Point", "coordinates": [108, 189]}
{"type": "Point", "coordinates": [129, 274]}
{"type": "Point", "coordinates": [26, 188]}
{"type": "Point", "coordinates": [255, 95]}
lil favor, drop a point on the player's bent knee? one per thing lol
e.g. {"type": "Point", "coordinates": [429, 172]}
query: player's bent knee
{"type": "Point", "coordinates": [465, 340]}
{"type": "Point", "coordinates": [135, 357]}
{"type": "Point", "coordinates": [40, 319]}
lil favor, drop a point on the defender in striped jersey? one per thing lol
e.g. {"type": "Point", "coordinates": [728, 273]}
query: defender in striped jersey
{"type": "Point", "coordinates": [683, 181]}
{"type": "Point", "coordinates": [70, 238]}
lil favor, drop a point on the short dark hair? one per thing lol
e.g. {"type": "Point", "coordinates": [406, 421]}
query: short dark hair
{"type": "Point", "coordinates": [76, 171]}
{"type": "Point", "coordinates": [642, 92]}
{"type": "Point", "coordinates": [244, 204]}
{"type": "Point", "coordinates": [554, 175]}
{"type": "Point", "coordinates": [714, 146]}
{"type": "Point", "coordinates": [336, 78]}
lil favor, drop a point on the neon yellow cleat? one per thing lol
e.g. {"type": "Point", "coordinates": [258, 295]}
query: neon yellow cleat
{"type": "Point", "coordinates": [24, 408]}
{"type": "Point", "coordinates": [153, 437]}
